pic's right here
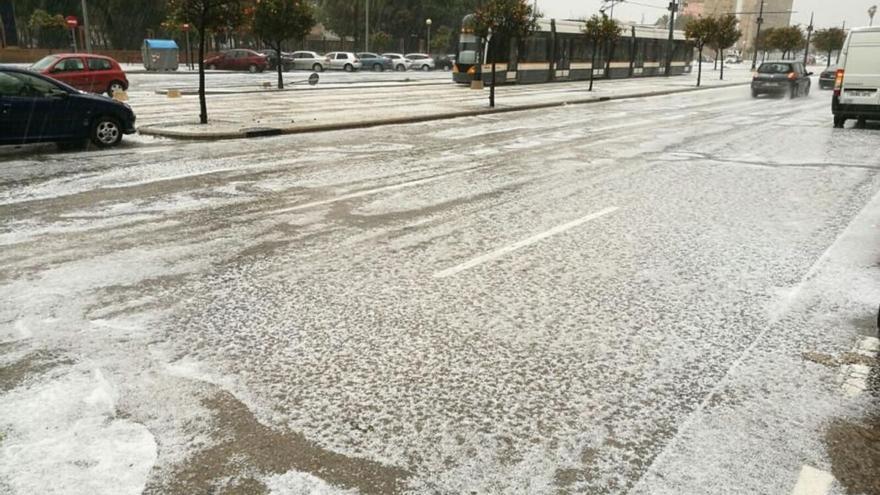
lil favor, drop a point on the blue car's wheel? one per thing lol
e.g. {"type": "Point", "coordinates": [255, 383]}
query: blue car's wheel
{"type": "Point", "coordinates": [106, 132]}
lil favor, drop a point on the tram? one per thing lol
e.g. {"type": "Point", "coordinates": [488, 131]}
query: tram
{"type": "Point", "coordinates": [558, 50]}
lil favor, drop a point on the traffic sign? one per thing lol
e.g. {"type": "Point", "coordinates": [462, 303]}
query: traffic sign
{"type": "Point", "coordinates": [71, 21]}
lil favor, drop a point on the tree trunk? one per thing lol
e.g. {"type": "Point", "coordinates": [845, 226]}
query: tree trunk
{"type": "Point", "coordinates": [722, 64]}
{"type": "Point", "coordinates": [203, 105]}
{"type": "Point", "coordinates": [592, 66]}
{"type": "Point", "coordinates": [700, 69]}
{"type": "Point", "coordinates": [280, 66]}
{"type": "Point", "coordinates": [716, 61]}
{"type": "Point", "coordinates": [828, 64]}
{"type": "Point", "coordinates": [609, 53]}
{"type": "Point", "coordinates": [492, 89]}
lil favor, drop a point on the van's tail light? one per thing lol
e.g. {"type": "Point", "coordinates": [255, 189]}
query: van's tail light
{"type": "Point", "coordinates": [838, 82]}
{"type": "Point", "coordinates": [792, 76]}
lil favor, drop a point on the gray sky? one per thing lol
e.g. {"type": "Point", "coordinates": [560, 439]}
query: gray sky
{"type": "Point", "coordinates": [828, 12]}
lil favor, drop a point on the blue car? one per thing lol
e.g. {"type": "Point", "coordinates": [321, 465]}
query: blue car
{"type": "Point", "coordinates": [37, 109]}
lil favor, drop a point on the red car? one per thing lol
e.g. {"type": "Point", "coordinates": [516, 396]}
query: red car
{"type": "Point", "coordinates": [86, 72]}
{"type": "Point", "coordinates": [248, 60]}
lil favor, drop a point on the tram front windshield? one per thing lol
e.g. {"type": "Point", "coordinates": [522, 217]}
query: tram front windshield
{"type": "Point", "coordinates": [468, 49]}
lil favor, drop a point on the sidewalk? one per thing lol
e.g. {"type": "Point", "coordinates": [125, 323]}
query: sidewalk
{"type": "Point", "coordinates": [305, 109]}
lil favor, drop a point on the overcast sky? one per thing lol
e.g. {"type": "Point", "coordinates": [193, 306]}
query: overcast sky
{"type": "Point", "coordinates": [828, 12]}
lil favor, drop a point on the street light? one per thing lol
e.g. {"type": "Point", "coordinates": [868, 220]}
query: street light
{"type": "Point", "coordinates": [428, 23]}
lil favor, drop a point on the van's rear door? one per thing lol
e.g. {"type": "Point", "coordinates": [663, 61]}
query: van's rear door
{"type": "Point", "coordinates": [861, 81]}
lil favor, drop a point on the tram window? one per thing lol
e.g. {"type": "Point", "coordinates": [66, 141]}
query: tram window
{"type": "Point", "coordinates": [535, 48]}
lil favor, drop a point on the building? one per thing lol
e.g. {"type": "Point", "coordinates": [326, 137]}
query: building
{"type": "Point", "coordinates": [697, 8]}
{"type": "Point", "coordinates": [777, 13]}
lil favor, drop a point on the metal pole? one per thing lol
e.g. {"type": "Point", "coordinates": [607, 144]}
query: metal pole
{"type": "Point", "coordinates": [672, 8]}
{"type": "Point", "coordinates": [367, 28]}
{"type": "Point", "coordinates": [189, 63]}
{"type": "Point", "coordinates": [73, 35]}
{"type": "Point", "coordinates": [758, 36]}
{"type": "Point", "coordinates": [809, 36]}
{"type": "Point", "coordinates": [871, 12]}
{"type": "Point", "coordinates": [86, 27]}
{"type": "Point", "coordinates": [428, 51]}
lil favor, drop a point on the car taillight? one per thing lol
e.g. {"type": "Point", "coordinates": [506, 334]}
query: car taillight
{"type": "Point", "coordinates": [792, 76]}
{"type": "Point", "coordinates": [356, 61]}
{"type": "Point", "coordinates": [838, 82]}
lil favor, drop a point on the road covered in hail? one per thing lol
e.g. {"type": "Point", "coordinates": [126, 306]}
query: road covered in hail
{"type": "Point", "coordinates": [647, 296]}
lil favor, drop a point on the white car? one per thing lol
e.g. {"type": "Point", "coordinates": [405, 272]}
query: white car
{"type": "Point", "coordinates": [347, 61]}
{"type": "Point", "coordinates": [857, 82]}
{"type": "Point", "coordinates": [421, 61]}
{"type": "Point", "coordinates": [400, 62]}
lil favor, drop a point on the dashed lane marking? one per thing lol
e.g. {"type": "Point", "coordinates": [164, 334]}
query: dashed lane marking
{"type": "Point", "coordinates": [521, 244]}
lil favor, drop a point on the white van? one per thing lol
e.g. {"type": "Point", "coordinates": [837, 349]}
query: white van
{"type": "Point", "coordinates": [857, 84]}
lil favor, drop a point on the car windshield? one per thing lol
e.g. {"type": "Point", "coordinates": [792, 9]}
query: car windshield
{"type": "Point", "coordinates": [775, 69]}
{"type": "Point", "coordinates": [44, 62]}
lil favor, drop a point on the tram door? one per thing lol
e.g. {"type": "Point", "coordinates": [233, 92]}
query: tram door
{"type": "Point", "coordinates": [563, 58]}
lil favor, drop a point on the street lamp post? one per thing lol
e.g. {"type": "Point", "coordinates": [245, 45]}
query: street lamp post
{"type": "Point", "coordinates": [86, 27]}
{"type": "Point", "coordinates": [809, 36]}
{"type": "Point", "coordinates": [367, 27]}
{"type": "Point", "coordinates": [673, 7]}
{"type": "Point", "coordinates": [758, 36]}
{"type": "Point", "coordinates": [428, 48]}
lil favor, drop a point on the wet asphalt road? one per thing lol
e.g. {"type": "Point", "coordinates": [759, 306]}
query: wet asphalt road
{"type": "Point", "coordinates": [605, 299]}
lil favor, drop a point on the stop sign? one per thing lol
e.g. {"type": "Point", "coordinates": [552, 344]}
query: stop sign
{"type": "Point", "coordinates": [185, 28]}
{"type": "Point", "coordinates": [71, 21]}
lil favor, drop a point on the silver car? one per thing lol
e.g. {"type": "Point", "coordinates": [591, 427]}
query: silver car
{"type": "Point", "coordinates": [310, 61]}
{"type": "Point", "coordinates": [346, 61]}
{"type": "Point", "coordinates": [421, 61]}
{"type": "Point", "coordinates": [400, 62]}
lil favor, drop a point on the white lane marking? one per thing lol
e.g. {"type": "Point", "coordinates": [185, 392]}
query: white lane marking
{"type": "Point", "coordinates": [523, 243]}
{"type": "Point", "coordinates": [813, 481]}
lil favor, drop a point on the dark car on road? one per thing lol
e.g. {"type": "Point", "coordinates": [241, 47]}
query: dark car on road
{"type": "Point", "coordinates": [783, 77]}
{"type": "Point", "coordinates": [272, 59]}
{"type": "Point", "coordinates": [375, 62]}
{"type": "Point", "coordinates": [35, 108]}
{"type": "Point", "coordinates": [827, 77]}
{"type": "Point", "coordinates": [248, 60]}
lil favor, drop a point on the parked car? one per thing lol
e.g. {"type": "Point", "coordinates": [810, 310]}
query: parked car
{"type": "Point", "coordinates": [400, 62]}
{"type": "Point", "coordinates": [304, 60]}
{"type": "Point", "coordinates": [857, 82]}
{"type": "Point", "coordinates": [346, 61]}
{"type": "Point", "coordinates": [375, 62]}
{"type": "Point", "coordinates": [248, 60]}
{"type": "Point", "coordinates": [272, 59]}
{"type": "Point", "coordinates": [92, 73]}
{"type": "Point", "coordinates": [826, 78]}
{"type": "Point", "coordinates": [782, 77]}
{"type": "Point", "coordinates": [421, 61]}
{"type": "Point", "coordinates": [445, 62]}
{"type": "Point", "coordinates": [36, 108]}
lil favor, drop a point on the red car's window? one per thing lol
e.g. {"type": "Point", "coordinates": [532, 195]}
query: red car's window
{"type": "Point", "coordinates": [69, 65]}
{"type": "Point", "coordinates": [99, 64]}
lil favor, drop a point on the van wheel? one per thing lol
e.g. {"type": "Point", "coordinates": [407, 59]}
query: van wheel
{"type": "Point", "coordinates": [839, 122]}
{"type": "Point", "coordinates": [106, 132]}
{"type": "Point", "coordinates": [114, 87]}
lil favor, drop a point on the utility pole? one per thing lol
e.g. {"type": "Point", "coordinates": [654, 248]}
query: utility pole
{"type": "Point", "coordinates": [367, 28]}
{"type": "Point", "coordinates": [809, 36]}
{"type": "Point", "coordinates": [86, 27]}
{"type": "Point", "coordinates": [673, 7]}
{"type": "Point", "coordinates": [871, 13]}
{"type": "Point", "coordinates": [758, 36]}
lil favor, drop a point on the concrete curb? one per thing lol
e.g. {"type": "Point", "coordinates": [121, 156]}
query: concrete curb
{"type": "Point", "coordinates": [326, 86]}
{"type": "Point", "coordinates": [246, 133]}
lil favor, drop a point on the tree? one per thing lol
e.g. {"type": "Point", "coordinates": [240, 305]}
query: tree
{"type": "Point", "coordinates": [725, 35]}
{"type": "Point", "coordinates": [50, 30]}
{"type": "Point", "coordinates": [504, 20]}
{"type": "Point", "coordinates": [788, 39]}
{"type": "Point", "coordinates": [276, 21]}
{"type": "Point", "coordinates": [441, 41]}
{"type": "Point", "coordinates": [380, 41]}
{"type": "Point", "coordinates": [829, 40]}
{"type": "Point", "coordinates": [206, 15]}
{"type": "Point", "coordinates": [701, 30]}
{"type": "Point", "coordinates": [680, 21]}
{"type": "Point", "coordinates": [600, 31]}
